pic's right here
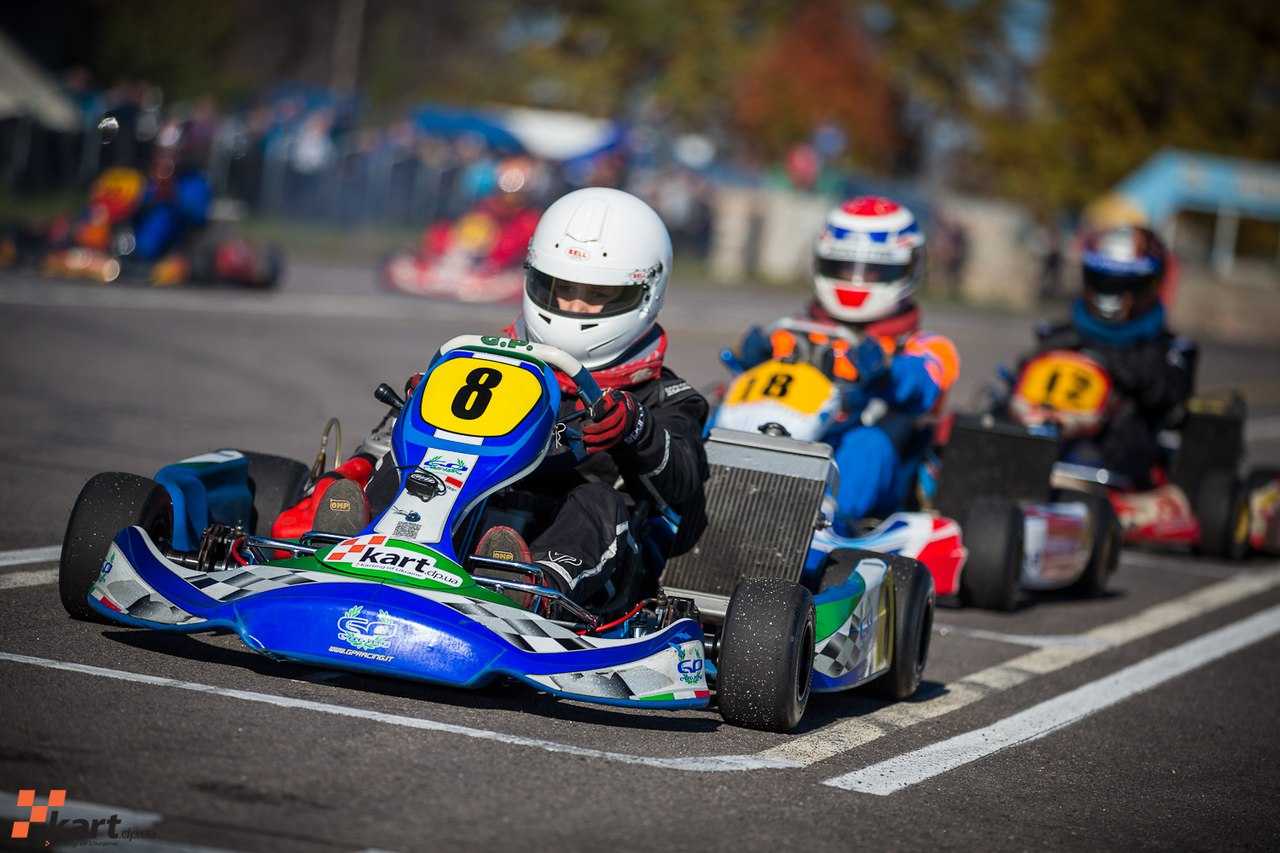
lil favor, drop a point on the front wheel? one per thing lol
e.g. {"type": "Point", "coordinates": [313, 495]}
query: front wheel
{"type": "Point", "coordinates": [993, 530]}
{"type": "Point", "coordinates": [766, 655]}
{"type": "Point", "coordinates": [912, 627]}
{"type": "Point", "coordinates": [1104, 550]}
{"type": "Point", "coordinates": [1222, 509]}
{"type": "Point", "coordinates": [107, 504]}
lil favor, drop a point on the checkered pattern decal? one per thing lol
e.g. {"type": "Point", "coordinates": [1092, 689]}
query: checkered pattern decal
{"type": "Point", "coordinates": [351, 548]}
{"type": "Point", "coordinates": [521, 629]}
{"type": "Point", "coordinates": [838, 653]}
{"type": "Point", "coordinates": [233, 584]}
{"type": "Point", "coordinates": [615, 684]}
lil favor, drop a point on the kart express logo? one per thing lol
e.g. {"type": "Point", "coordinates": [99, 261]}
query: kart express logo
{"type": "Point", "coordinates": [373, 552]}
{"type": "Point", "coordinates": [54, 820]}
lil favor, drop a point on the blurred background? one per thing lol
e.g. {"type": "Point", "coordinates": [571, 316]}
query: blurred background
{"type": "Point", "coordinates": [345, 130]}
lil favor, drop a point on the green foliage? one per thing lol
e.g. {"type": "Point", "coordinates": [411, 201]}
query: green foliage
{"type": "Point", "coordinates": [1119, 81]}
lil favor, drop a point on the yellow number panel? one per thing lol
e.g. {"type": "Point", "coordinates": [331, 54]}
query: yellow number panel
{"type": "Point", "coordinates": [479, 397]}
{"type": "Point", "coordinates": [1065, 382]}
{"type": "Point", "coordinates": [799, 386]}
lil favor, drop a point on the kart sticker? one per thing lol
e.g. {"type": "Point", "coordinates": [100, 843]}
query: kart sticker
{"type": "Point", "coordinates": [479, 397]}
{"type": "Point", "coordinates": [1064, 382]}
{"type": "Point", "coordinates": [799, 386]}
{"type": "Point", "coordinates": [376, 553]}
{"type": "Point", "coordinates": [421, 510]}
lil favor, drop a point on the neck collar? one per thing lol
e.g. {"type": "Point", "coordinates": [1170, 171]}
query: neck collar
{"type": "Point", "coordinates": [904, 322]}
{"type": "Point", "coordinates": [1145, 327]}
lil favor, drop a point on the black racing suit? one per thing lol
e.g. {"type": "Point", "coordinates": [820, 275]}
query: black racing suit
{"type": "Point", "coordinates": [582, 513]}
{"type": "Point", "coordinates": [591, 535]}
{"type": "Point", "coordinates": [1152, 378]}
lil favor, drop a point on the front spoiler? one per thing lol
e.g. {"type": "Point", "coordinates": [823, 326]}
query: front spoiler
{"type": "Point", "coordinates": [354, 624]}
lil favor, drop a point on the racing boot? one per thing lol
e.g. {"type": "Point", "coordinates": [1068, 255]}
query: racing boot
{"type": "Point", "coordinates": [336, 504]}
{"type": "Point", "coordinates": [505, 543]}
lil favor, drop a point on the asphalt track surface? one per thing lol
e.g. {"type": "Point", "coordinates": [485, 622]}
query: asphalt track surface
{"type": "Point", "coordinates": [1146, 719]}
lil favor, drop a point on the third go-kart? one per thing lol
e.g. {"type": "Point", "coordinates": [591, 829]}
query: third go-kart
{"type": "Point", "coordinates": [1051, 522]}
{"type": "Point", "coordinates": [407, 598]}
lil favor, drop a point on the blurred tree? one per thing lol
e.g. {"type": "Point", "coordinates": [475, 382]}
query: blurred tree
{"type": "Point", "coordinates": [820, 68]}
{"type": "Point", "coordinates": [1119, 81]}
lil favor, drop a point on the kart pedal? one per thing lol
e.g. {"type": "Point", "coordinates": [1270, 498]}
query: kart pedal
{"type": "Point", "coordinates": [342, 509]}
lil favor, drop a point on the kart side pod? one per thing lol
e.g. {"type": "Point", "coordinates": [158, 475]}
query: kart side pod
{"type": "Point", "coordinates": [764, 498]}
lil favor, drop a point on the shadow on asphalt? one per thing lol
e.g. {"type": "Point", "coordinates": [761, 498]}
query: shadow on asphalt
{"type": "Point", "coordinates": [507, 695]}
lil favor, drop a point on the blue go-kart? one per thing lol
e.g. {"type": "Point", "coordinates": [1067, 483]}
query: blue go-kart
{"type": "Point", "coordinates": [407, 599]}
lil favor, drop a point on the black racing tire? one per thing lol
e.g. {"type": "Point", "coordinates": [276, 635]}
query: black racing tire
{"type": "Point", "coordinates": [912, 607]}
{"type": "Point", "coordinates": [1108, 537]}
{"type": "Point", "coordinates": [277, 483]}
{"type": "Point", "coordinates": [107, 504]}
{"type": "Point", "coordinates": [1220, 506]}
{"type": "Point", "coordinates": [993, 536]}
{"type": "Point", "coordinates": [765, 664]}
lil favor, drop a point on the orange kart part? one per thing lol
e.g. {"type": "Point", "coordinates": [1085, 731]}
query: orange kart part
{"type": "Point", "coordinates": [300, 518]}
{"type": "Point", "coordinates": [81, 263]}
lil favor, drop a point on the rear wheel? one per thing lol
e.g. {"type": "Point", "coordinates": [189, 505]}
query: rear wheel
{"type": "Point", "coordinates": [277, 483]}
{"type": "Point", "coordinates": [107, 504]}
{"type": "Point", "coordinates": [1104, 551]}
{"type": "Point", "coordinates": [766, 655]}
{"type": "Point", "coordinates": [993, 537]}
{"type": "Point", "coordinates": [912, 626]}
{"type": "Point", "coordinates": [1222, 509]}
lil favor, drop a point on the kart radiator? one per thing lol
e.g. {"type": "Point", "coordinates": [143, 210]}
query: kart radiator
{"type": "Point", "coordinates": [763, 500]}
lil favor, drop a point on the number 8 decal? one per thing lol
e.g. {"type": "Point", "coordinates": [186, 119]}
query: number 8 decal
{"type": "Point", "coordinates": [474, 397]}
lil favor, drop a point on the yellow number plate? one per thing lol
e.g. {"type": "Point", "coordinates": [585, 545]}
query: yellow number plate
{"type": "Point", "coordinates": [799, 386]}
{"type": "Point", "coordinates": [1065, 382]}
{"type": "Point", "coordinates": [479, 397]}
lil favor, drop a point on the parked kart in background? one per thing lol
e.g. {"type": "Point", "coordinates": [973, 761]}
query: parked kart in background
{"type": "Point", "coordinates": [791, 404]}
{"type": "Point", "coordinates": [406, 598]}
{"type": "Point", "coordinates": [455, 275]}
{"type": "Point", "coordinates": [100, 245]}
{"type": "Point", "coordinates": [1065, 522]}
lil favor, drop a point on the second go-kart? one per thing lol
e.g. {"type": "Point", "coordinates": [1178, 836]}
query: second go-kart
{"type": "Point", "coordinates": [406, 598]}
{"type": "Point", "coordinates": [795, 403]}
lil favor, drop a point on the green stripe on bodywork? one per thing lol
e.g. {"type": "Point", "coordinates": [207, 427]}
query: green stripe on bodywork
{"type": "Point", "coordinates": [661, 697]}
{"type": "Point", "coordinates": [830, 615]}
{"type": "Point", "coordinates": [468, 589]}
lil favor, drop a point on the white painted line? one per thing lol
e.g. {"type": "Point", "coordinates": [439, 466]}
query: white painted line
{"type": "Point", "coordinates": [849, 733]}
{"type": "Point", "coordinates": [30, 555]}
{"type": "Point", "coordinates": [903, 771]}
{"type": "Point", "coordinates": [16, 580]}
{"type": "Point", "coordinates": [697, 764]}
{"type": "Point", "coordinates": [1036, 641]}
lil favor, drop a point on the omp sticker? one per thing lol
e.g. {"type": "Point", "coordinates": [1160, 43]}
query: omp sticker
{"type": "Point", "coordinates": [479, 397]}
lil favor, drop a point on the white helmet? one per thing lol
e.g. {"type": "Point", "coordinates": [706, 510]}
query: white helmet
{"type": "Point", "coordinates": [608, 239]}
{"type": "Point", "coordinates": [868, 260]}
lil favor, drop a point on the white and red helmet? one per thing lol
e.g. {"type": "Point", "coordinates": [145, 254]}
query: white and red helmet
{"type": "Point", "coordinates": [868, 260]}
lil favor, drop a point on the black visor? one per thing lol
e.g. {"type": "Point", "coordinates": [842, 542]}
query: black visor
{"type": "Point", "coordinates": [861, 271]}
{"type": "Point", "coordinates": [547, 292]}
{"type": "Point", "coordinates": [1118, 285]}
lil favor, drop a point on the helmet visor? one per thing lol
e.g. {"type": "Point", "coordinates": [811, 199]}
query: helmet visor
{"type": "Point", "coordinates": [862, 272]}
{"type": "Point", "coordinates": [1114, 284]}
{"type": "Point", "coordinates": [572, 299]}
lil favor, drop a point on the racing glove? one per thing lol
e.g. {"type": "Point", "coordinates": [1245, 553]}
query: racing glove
{"type": "Point", "coordinates": [870, 360]}
{"type": "Point", "coordinates": [755, 348]}
{"type": "Point", "coordinates": [623, 419]}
